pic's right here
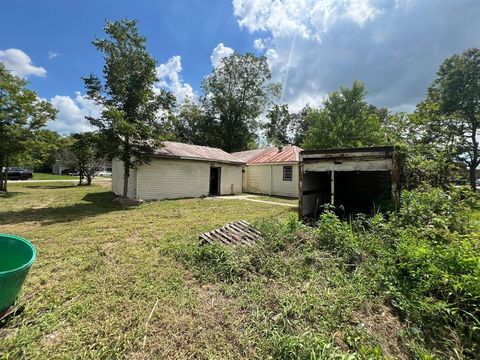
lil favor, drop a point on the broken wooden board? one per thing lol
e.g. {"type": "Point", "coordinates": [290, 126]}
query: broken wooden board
{"type": "Point", "coordinates": [234, 233]}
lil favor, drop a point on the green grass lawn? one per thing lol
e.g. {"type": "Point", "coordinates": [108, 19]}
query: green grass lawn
{"type": "Point", "coordinates": [110, 282]}
{"type": "Point", "coordinates": [44, 176]}
{"type": "Point", "coordinates": [132, 283]}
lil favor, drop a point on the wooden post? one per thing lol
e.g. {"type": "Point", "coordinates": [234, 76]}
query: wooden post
{"type": "Point", "coordinates": [332, 187]}
{"type": "Point", "coordinates": [300, 190]}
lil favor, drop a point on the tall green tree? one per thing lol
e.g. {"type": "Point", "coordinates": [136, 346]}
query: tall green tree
{"type": "Point", "coordinates": [40, 150]}
{"type": "Point", "coordinates": [133, 110]}
{"type": "Point", "coordinates": [278, 129]}
{"type": "Point", "coordinates": [191, 125]}
{"type": "Point", "coordinates": [300, 124]}
{"type": "Point", "coordinates": [235, 94]}
{"type": "Point", "coordinates": [345, 120]}
{"type": "Point", "coordinates": [457, 91]}
{"type": "Point", "coordinates": [427, 146]}
{"type": "Point", "coordinates": [90, 152]}
{"type": "Point", "coordinates": [21, 114]}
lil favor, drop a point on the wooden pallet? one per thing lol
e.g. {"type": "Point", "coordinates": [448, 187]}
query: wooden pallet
{"type": "Point", "coordinates": [234, 233]}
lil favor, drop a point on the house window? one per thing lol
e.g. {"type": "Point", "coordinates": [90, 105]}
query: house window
{"type": "Point", "coordinates": [287, 173]}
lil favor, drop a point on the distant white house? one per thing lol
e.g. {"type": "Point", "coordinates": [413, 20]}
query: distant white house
{"type": "Point", "coordinates": [181, 171]}
{"type": "Point", "coordinates": [271, 171]}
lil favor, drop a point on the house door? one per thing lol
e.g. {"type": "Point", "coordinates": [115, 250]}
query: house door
{"type": "Point", "coordinates": [215, 173]}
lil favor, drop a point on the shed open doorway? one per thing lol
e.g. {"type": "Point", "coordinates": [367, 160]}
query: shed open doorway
{"type": "Point", "coordinates": [215, 174]}
{"type": "Point", "coordinates": [353, 180]}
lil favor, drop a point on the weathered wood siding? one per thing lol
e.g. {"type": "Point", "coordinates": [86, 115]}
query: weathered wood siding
{"type": "Point", "coordinates": [117, 180]}
{"type": "Point", "coordinates": [268, 180]}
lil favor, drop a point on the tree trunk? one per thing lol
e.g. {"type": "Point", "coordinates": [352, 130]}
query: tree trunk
{"type": "Point", "coordinates": [81, 175]}
{"type": "Point", "coordinates": [89, 180]}
{"type": "Point", "coordinates": [5, 175]}
{"type": "Point", "coordinates": [473, 178]}
{"type": "Point", "coordinates": [126, 174]}
{"type": "Point", "coordinates": [2, 169]}
{"type": "Point", "coordinates": [2, 177]}
{"type": "Point", "coordinates": [126, 167]}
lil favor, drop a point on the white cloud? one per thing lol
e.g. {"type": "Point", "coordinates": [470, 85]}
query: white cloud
{"type": "Point", "coordinates": [394, 46]}
{"type": "Point", "coordinates": [170, 79]}
{"type": "Point", "coordinates": [71, 113]}
{"type": "Point", "coordinates": [262, 44]}
{"type": "Point", "coordinates": [52, 55]}
{"type": "Point", "coordinates": [307, 18]}
{"type": "Point", "coordinates": [20, 63]}
{"type": "Point", "coordinates": [219, 52]}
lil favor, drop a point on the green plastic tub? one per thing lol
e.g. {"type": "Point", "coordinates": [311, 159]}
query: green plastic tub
{"type": "Point", "coordinates": [16, 257]}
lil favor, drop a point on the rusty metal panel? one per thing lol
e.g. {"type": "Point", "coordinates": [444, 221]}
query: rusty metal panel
{"type": "Point", "coordinates": [178, 150]}
{"type": "Point", "coordinates": [270, 155]}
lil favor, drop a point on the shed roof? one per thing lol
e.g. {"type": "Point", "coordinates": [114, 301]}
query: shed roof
{"type": "Point", "coordinates": [348, 153]}
{"type": "Point", "coordinates": [289, 153]}
{"type": "Point", "coordinates": [176, 150]}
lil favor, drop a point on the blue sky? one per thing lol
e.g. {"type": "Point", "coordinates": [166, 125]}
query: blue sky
{"type": "Point", "coordinates": [187, 28]}
{"type": "Point", "coordinates": [313, 46]}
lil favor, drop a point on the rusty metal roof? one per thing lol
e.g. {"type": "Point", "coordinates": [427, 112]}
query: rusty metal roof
{"type": "Point", "coordinates": [289, 153]}
{"type": "Point", "coordinates": [183, 151]}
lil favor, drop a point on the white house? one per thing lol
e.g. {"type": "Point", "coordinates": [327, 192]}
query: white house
{"type": "Point", "coordinates": [271, 171]}
{"type": "Point", "coordinates": [181, 171]}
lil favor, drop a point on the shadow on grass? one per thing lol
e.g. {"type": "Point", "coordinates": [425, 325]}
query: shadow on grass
{"type": "Point", "coordinates": [48, 187]}
{"type": "Point", "coordinates": [8, 195]}
{"type": "Point", "coordinates": [93, 204]}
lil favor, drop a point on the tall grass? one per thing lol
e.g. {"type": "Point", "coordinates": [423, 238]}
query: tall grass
{"type": "Point", "coordinates": [303, 287]}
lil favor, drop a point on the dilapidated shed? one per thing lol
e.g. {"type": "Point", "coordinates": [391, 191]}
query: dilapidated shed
{"type": "Point", "coordinates": [354, 179]}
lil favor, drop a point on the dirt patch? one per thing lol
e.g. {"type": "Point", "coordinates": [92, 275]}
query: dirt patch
{"type": "Point", "coordinates": [383, 326]}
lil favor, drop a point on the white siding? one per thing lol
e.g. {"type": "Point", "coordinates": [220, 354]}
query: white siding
{"type": "Point", "coordinates": [117, 180]}
{"type": "Point", "coordinates": [258, 179]}
{"type": "Point", "coordinates": [284, 188]}
{"type": "Point", "coordinates": [230, 179]}
{"type": "Point", "coordinates": [173, 179]}
{"type": "Point", "coordinates": [268, 180]}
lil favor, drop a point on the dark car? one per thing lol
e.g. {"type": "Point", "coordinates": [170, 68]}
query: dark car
{"type": "Point", "coordinates": [16, 173]}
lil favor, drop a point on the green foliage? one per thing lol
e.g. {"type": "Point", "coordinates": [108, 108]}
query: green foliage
{"type": "Point", "coordinates": [235, 95]}
{"type": "Point", "coordinates": [345, 120]}
{"type": "Point", "coordinates": [423, 261]}
{"type": "Point", "coordinates": [41, 150]}
{"type": "Point", "coordinates": [133, 111]}
{"type": "Point", "coordinates": [191, 125]}
{"type": "Point", "coordinates": [278, 127]}
{"type": "Point", "coordinates": [90, 151]}
{"type": "Point", "coordinates": [219, 263]}
{"type": "Point", "coordinates": [21, 114]}
{"type": "Point", "coordinates": [457, 92]}
{"type": "Point", "coordinates": [427, 145]}
{"type": "Point", "coordinates": [304, 346]}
